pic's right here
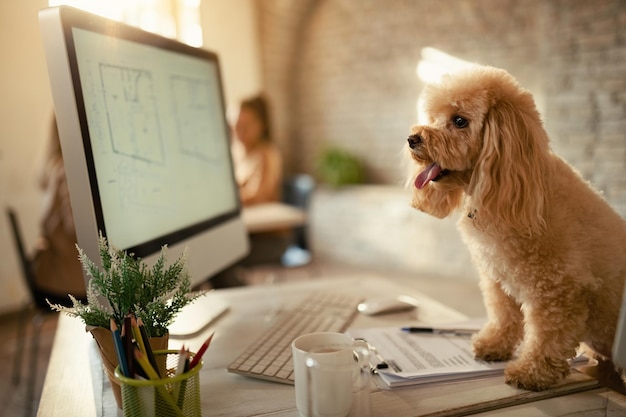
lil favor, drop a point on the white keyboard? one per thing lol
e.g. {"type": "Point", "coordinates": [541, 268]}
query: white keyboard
{"type": "Point", "coordinates": [269, 357]}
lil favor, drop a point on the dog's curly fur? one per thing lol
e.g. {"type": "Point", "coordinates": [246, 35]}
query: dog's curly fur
{"type": "Point", "coordinates": [549, 249]}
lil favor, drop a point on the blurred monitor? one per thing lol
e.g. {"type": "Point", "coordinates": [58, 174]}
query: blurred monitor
{"type": "Point", "coordinates": [145, 141]}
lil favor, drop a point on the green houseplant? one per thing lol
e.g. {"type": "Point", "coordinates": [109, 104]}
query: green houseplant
{"type": "Point", "coordinates": [337, 167]}
{"type": "Point", "coordinates": [125, 284]}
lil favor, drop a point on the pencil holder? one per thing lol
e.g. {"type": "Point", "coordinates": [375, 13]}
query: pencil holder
{"type": "Point", "coordinates": [104, 338]}
{"type": "Point", "coordinates": [172, 395]}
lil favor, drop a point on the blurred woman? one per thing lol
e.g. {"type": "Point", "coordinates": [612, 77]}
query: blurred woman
{"type": "Point", "coordinates": [56, 267]}
{"type": "Point", "coordinates": [258, 162]}
{"type": "Point", "coordinates": [259, 174]}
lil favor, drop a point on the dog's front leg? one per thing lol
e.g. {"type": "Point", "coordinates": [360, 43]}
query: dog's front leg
{"type": "Point", "coordinates": [504, 330]}
{"type": "Point", "coordinates": [554, 326]}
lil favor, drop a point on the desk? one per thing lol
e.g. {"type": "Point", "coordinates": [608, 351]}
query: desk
{"type": "Point", "coordinates": [71, 390]}
{"type": "Point", "coordinates": [271, 217]}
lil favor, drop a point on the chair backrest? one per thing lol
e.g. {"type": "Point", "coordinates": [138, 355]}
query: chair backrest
{"type": "Point", "coordinates": [39, 295]}
{"type": "Point", "coordinates": [297, 190]}
{"type": "Point", "coordinates": [25, 262]}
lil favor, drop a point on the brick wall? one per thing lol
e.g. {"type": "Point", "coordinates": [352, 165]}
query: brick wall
{"type": "Point", "coordinates": [343, 73]}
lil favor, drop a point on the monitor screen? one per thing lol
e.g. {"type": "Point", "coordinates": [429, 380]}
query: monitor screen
{"type": "Point", "coordinates": [145, 141]}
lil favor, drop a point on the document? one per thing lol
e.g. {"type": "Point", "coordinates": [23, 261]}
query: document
{"type": "Point", "coordinates": [403, 358]}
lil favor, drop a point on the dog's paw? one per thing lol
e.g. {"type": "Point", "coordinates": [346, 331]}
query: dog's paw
{"type": "Point", "coordinates": [491, 349]}
{"type": "Point", "coordinates": [535, 375]}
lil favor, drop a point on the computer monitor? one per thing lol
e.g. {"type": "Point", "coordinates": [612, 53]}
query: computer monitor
{"type": "Point", "coordinates": [145, 142]}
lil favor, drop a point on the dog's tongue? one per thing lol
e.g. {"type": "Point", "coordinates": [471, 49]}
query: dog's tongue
{"type": "Point", "coordinates": [427, 175]}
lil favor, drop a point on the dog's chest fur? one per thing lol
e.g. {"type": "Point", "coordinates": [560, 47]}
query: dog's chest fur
{"type": "Point", "coordinates": [487, 254]}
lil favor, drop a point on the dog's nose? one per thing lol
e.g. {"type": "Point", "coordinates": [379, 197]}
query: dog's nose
{"type": "Point", "coordinates": [414, 140]}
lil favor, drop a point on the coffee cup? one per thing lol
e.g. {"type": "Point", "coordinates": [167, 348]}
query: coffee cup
{"type": "Point", "coordinates": [331, 375]}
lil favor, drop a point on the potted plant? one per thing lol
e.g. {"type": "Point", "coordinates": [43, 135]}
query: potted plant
{"type": "Point", "coordinates": [125, 284]}
{"type": "Point", "coordinates": [337, 167]}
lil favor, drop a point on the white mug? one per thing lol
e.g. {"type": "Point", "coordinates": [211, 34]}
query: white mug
{"type": "Point", "coordinates": [331, 375]}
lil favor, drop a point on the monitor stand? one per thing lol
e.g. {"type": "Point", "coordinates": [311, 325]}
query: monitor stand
{"type": "Point", "coordinates": [197, 316]}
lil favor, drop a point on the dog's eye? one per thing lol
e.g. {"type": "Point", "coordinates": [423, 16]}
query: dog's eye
{"type": "Point", "coordinates": [459, 122]}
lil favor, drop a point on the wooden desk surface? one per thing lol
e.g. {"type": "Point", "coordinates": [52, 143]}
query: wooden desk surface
{"type": "Point", "coordinates": [74, 386]}
{"type": "Point", "coordinates": [271, 217]}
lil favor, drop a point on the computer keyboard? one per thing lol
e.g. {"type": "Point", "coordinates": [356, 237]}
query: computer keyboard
{"type": "Point", "coordinates": [269, 357]}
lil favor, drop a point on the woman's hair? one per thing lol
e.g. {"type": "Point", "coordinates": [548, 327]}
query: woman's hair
{"type": "Point", "coordinates": [259, 106]}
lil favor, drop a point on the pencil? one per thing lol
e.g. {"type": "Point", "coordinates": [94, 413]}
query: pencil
{"type": "Point", "coordinates": [182, 360]}
{"type": "Point", "coordinates": [137, 334]}
{"type": "Point", "coordinates": [119, 349]}
{"type": "Point", "coordinates": [203, 348]}
{"type": "Point", "coordinates": [147, 347]}
{"type": "Point", "coordinates": [127, 339]}
{"type": "Point", "coordinates": [152, 375]}
{"type": "Point", "coordinates": [179, 389]}
{"type": "Point", "coordinates": [145, 364]}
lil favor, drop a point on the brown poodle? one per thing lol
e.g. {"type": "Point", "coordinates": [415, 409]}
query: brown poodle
{"type": "Point", "coordinates": [550, 250]}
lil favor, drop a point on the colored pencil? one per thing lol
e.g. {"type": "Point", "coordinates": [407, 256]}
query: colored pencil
{"type": "Point", "coordinates": [119, 349]}
{"type": "Point", "coordinates": [146, 344]}
{"type": "Point", "coordinates": [127, 339]}
{"type": "Point", "coordinates": [203, 348]}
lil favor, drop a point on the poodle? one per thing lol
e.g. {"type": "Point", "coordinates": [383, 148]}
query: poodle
{"type": "Point", "coordinates": [549, 249]}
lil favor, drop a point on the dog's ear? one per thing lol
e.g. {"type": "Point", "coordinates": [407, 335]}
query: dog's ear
{"type": "Point", "coordinates": [509, 183]}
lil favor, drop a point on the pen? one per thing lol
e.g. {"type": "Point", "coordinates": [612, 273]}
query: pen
{"type": "Point", "coordinates": [433, 330]}
{"type": "Point", "coordinates": [203, 348]}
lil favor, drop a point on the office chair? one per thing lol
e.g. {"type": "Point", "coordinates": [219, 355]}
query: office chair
{"type": "Point", "coordinates": [297, 192]}
{"type": "Point", "coordinates": [286, 250]}
{"type": "Point", "coordinates": [42, 308]}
